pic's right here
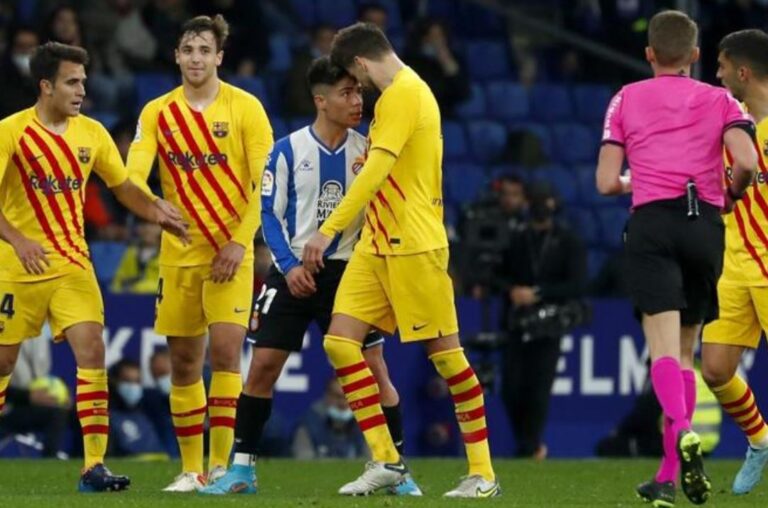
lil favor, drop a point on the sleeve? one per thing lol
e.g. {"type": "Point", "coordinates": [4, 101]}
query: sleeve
{"type": "Point", "coordinates": [734, 115]}
{"type": "Point", "coordinates": [257, 136]}
{"type": "Point", "coordinates": [397, 113]}
{"type": "Point", "coordinates": [274, 202]}
{"type": "Point", "coordinates": [141, 155]}
{"type": "Point", "coordinates": [613, 130]}
{"type": "Point", "coordinates": [7, 148]}
{"type": "Point", "coordinates": [109, 164]}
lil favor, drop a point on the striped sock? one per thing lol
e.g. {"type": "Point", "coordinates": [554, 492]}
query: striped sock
{"type": "Point", "coordinates": [362, 393]}
{"type": "Point", "coordinates": [222, 406]}
{"type": "Point", "coordinates": [469, 405]}
{"type": "Point", "coordinates": [92, 399]}
{"type": "Point", "coordinates": [737, 400]}
{"type": "Point", "coordinates": [4, 380]}
{"type": "Point", "coordinates": [188, 414]}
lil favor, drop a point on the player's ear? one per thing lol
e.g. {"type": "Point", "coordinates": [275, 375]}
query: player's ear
{"type": "Point", "coordinates": [695, 54]}
{"type": "Point", "coordinates": [46, 87]}
{"type": "Point", "coordinates": [650, 56]}
{"type": "Point", "coordinates": [219, 57]}
{"type": "Point", "coordinates": [319, 101]}
{"type": "Point", "coordinates": [176, 56]}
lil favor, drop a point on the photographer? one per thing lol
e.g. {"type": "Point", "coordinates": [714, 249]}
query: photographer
{"type": "Point", "coordinates": [544, 270]}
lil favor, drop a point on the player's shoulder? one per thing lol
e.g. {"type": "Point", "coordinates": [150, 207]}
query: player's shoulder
{"type": "Point", "coordinates": [237, 95]}
{"type": "Point", "coordinates": [286, 144]}
{"type": "Point", "coordinates": [18, 120]}
{"type": "Point", "coordinates": [356, 140]}
{"type": "Point", "coordinates": [156, 105]}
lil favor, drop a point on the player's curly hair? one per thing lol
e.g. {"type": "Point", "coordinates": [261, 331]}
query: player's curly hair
{"type": "Point", "coordinates": [747, 47]}
{"type": "Point", "coordinates": [46, 59]}
{"type": "Point", "coordinates": [672, 35]}
{"type": "Point", "coordinates": [361, 40]}
{"type": "Point", "coordinates": [199, 24]}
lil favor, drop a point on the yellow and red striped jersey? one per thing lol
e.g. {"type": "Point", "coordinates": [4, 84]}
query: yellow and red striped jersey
{"type": "Point", "coordinates": [404, 215]}
{"type": "Point", "coordinates": [210, 164]}
{"type": "Point", "coordinates": [746, 229]}
{"type": "Point", "coordinates": [42, 187]}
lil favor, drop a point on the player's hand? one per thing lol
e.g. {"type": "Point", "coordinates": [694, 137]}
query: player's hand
{"type": "Point", "coordinates": [314, 250]}
{"type": "Point", "coordinates": [170, 219]}
{"type": "Point", "coordinates": [226, 262]}
{"type": "Point", "coordinates": [301, 283]}
{"type": "Point", "coordinates": [729, 204]}
{"type": "Point", "coordinates": [32, 255]}
{"type": "Point", "coordinates": [523, 295]}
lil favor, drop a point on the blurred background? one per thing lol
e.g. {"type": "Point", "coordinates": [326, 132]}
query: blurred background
{"type": "Point", "coordinates": [523, 87]}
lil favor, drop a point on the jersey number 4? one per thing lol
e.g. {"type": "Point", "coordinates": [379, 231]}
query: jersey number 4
{"type": "Point", "coordinates": [6, 305]}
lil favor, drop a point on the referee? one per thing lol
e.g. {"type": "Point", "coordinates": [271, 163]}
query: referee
{"type": "Point", "coordinates": [672, 130]}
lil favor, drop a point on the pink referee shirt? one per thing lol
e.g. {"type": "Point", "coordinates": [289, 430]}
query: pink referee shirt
{"type": "Point", "coordinates": [671, 128]}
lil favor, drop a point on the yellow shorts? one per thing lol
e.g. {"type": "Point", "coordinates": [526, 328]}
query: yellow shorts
{"type": "Point", "coordinates": [743, 316]}
{"type": "Point", "coordinates": [413, 293]}
{"type": "Point", "coordinates": [188, 301]}
{"type": "Point", "coordinates": [65, 301]}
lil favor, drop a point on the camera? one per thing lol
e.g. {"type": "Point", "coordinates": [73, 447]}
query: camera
{"type": "Point", "coordinates": [549, 319]}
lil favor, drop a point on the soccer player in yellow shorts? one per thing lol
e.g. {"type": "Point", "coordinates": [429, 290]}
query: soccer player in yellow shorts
{"type": "Point", "coordinates": [743, 287]}
{"type": "Point", "coordinates": [212, 140]}
{"type": "Point", "coordinates": [397, 277]}
{"type": "Point", "coordinates": [47, 153]}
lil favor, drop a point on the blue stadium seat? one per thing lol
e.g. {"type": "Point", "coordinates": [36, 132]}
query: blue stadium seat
{"type": "Point", "coordinates": [280, 49]}
{"type": "Point", "coordinates": [541, 132]}
{"type": "Point", "coordinates": [487, 59]}
{"type": "Point", "coordinates": [612, 221]}
{"type": "Point", "coordinates": [585, 173]}
{"type": "Point", "coordinates": [454, 141]}
{"type": "Point", "coordinates": [305, 10]}
{"type": "Point", "coordinates": [479, 21]}
{"type": "Point", "coordinates": [488, 140]}
{"type": "Point", "coordinates": [105, 118]}
{"type": "Point", "coordinates": [551, 102]}
{"type": "Point", "coordinates": [590, 102]}
{"type": "Point", "coordinates": [338, 13]}
{"type": "Point", "coordinates": [562, 179]}
{"type": "Point", "coordinates": [296, 123]}
{"type": "Point", "coordinates": [106, 258]}
{"type": "Point", "coordinates": [279, 127]}
{"type": "Point", "coordinates": [475, 106]}
{"type": "Point", "coordinates": [595, 261]}
{"type": "Point", "coordinates": [254, 86]}
{"type": "Point", "coordinates": [364, 127]}
{"type": "Point", "coordinates": [152, 85]}
{"type": "Point", "coordinates": [584, 222]}
{"type": "Point", "coordinates": [463, 183]}
{"type": "Point", "coordinates": [507, 101]}
{"type": "Point", "coordinates": [574, 143]}
{"type": "Point", "coordinates": [446, 11]}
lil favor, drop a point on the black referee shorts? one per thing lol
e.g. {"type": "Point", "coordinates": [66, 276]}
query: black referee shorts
{"type": "Point", "coordinates": [673, 263]}
{"type": "Point", "coordinates": [279, 320]}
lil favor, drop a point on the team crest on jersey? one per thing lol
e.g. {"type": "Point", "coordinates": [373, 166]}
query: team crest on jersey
{"type": "Point", "coordinates": [220, 129]}
{"type": "Point", "coordinates": [358, 164]}
{"type": "Point", "coordinates": [84, 154]}
{"type": "Point", "coordinates": [330, 196]}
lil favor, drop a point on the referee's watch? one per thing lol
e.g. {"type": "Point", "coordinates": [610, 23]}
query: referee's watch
{"type": "Point", "coordinates": [734, 197]}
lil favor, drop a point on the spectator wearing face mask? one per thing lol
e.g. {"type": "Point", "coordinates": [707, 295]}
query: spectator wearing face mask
{"type": "Point", "coordinates": [131, 432]}
{"type": "Point", "coordinates": [156, 402]}
{"type": "Point", "coordinates": [17, 88]}
{"type": "Point", "coordinates": [329, 429]}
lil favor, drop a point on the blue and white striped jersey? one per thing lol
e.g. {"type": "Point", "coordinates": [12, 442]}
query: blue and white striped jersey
{"type": "Point", "coordinates": [304, 181]}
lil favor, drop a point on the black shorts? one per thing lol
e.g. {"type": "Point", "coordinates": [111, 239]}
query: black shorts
{"type": "Point", "coordinates": [280, 320]}
{"type": "Point", "coordinates": [674, 263]}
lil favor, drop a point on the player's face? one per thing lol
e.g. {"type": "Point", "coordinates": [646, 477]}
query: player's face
{"type": "Point", "coordinates": [67, 91]}
{"type": "Point", "coordinates": [728, 74]}
{"type": "Point", "coordinates": [343, 104]}
{"type": "Point", "coordinates": [197, 57]}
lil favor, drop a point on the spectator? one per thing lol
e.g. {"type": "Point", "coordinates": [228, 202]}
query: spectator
{"type": "Point", "coordinates": [131, 432]}
{"type": "Point", "coordinates": [17, 90]}
{"type": "Point", "coordinates": [139, 269]}
{"type": "Point", "coordinates": [157, 403]}
{"type": "Point", "coordinates": [329, 429]}
{"type": "Point", "coordinates": [429, 53]}
{"type": "Point", "coordinates": [545, 270]}
{"type": "Point", "coordinates": [164, 19]}
{"type": "Point", "coordinates": [297, 100]}
{"type": "Point", "coordinates": [376, 14]}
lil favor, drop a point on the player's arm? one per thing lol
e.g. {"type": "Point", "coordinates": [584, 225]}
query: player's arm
{"type": "Point", "coordinates": [274, 202]}
{"type": "Point", "coordinates": [109, 166]}
{"type": "Point", "coordinates": [740, 139]}
{"type": "Point", "coordinates": [611, 159]}
{"type": "Point", "coordinates": [143, 150]}
{"type": "Point", "coordinates": [257, 138]}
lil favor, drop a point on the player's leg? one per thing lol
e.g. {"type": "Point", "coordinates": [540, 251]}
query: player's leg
{"type": "Point", "coordinates": [179, 316]}
{"type": "Point", "coordinates": [742, 315]}
{"type": "Point", "coordinates": [82, 324]}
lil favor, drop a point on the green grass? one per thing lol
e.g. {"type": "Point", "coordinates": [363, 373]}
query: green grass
{"type": "Point", "coordinates": [288, 483]}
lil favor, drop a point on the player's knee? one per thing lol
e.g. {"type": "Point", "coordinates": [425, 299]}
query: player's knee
{"type": "Point", "coordinates": [91, 354]}
{"type": "Point", "coordinates": [6, 364]}
{"type": "Point", "coordinates": [715, 374]}
{"type": "Point", "coordinates": [225, 358]}
{"type": "Point", "coordinates": [262, 376]}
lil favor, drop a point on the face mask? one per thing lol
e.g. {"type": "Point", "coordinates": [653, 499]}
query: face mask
{"type": "Point", "coordinates": [22, 63]}
{"type": "Point", "coordinates": [130, 392]}
{"type": "Point", "coordinates": [164, 384]}
{"type": "Point", "coordinates": [340, 415]}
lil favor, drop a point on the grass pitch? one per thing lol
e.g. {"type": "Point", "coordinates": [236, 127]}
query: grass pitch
{"type": "Point", "coordinates": [289, 483]}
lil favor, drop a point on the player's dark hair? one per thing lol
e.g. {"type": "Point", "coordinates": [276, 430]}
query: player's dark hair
{"type": "Point", "coordinates": [361, 40]}
{"type": "Point", "coordinates": [324, 72]}
{"type": "Point", "coordinates": [217, 25]}
{"type": "Point", "coordinates": [47, 58]}
{"type": "Point", "coordinates": [749, 48]}
{"type": "Point", "coordinates": [672, 35]}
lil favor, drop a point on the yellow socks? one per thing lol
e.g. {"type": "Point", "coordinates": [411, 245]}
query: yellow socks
{"type": "Point", "coordinates": [222, 406]}
{"type": "Point", "coordinates": [188, 414]}
{"type": "Point", "coordinates": [362, 393]}
{"type": "Point", "coordinates": [469, 405]}
{"type": "Point", "coordinates": [93, 412]}
{"type": "Point", "coordinates": [737, 400]}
